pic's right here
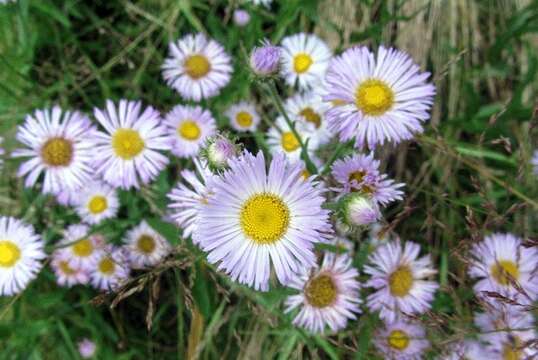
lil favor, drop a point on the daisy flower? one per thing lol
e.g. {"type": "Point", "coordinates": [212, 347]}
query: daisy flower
{"type": "Point", "coordinates": [534, 162]}
{"type": "Point", "coordinates": [189, 196]}
{"type": "Point", "coordinates": [258, 217]}
{"type": "Point", "coordinates": [86, 348]}
{"type": "Point", "coordinates": [282, 140]}
{"type": "Point", "coordinates": [97, 201]}
{"type": "Point", "coordinates": [197, 67]}
{"type": "Point", "coordinates": [21, 253]}
{"type": "Point", "coordinates": [127, 153]}
{"type": "Point", "coordinates": [507, 333]}
{"type": "Point", "coordinates": [328, 296]}
{"type": "Point", "coordinates": [243, 116]}
{"type": "Point", "coordinates": [145, 246]}
{"type": "Point", "coordinates": [305, 58]}
{"type": "Point", "coordinates": [111, 269]}
{"type": "Point", "coordinates": [66, 274]}
{"type": "Point", "coordinates": [189, 127]}
{"type": "Point", "coordinates": [360, 173]}
{"type": "Point", "coordinates": [379, 99]}
{"type": "Point", "coordinates": [57, 144]}
{"type": "Point", "coordinates": [83, 249]}
{"type": "Point", "coordinates": [310, 108]}
{"type": "Point", "coordinates": [398, 277]}
{"type": "Point", "coordinates": [500, 262]}
{"type": "Point", "coordinates": [401, 340]}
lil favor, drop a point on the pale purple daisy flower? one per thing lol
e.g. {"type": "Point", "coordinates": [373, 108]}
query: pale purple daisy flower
{"type": "Point", "coordinates": [241, 17]}
{"type": "Point", "coordinates": [401, 340]}
{"type": "Point", "coordinates": [257, 217]}
{"type": "Point", "coordinates": [360, 173]}
{"type": "Point", "coordinates": [380, 99]}
{"type": "Point", "coordinates": [500, 262]}
{"type": "Point", "coordinates": [265, 60]}
{"type": "Point", "coordinates": [96, 202]}
{"type": "Point", "coordinates": [282, 140]}
{"type": "Point", "coordinates": [83, 248]}
{"type": "Point", "coordinates": [305, 58]}
{"type": "Point", "coordinates": [329, 296]}
{"type": "Point", "coordinates": [111, 269]}
{"type": "Point", "coordinates": [534, 162]}
{"type": "Point", "coordinates": [508, 333]}
{"type": "Point", "coordinates": [21, 255]}
{"type": "Point", "coordinates": [86, 348]}
{"type": "Point", "coordinates": [189, 127]}
{"type": "Point", "coordinates": [59, 145]}
{"type": "Point", "coordinates": [66, 273]}
{"type": "Point", "coordinates": [398, 276]}
{"type": "Point", "coordinates": [127, 153]}
{"type": "Point", "coordinates": [189, 196]}
{"type": "Point", "coordinates": [145, 246]}
{"type": "Point", "coordinates": [310, 108]}
{"type": "Point", "coordinates": [197, 67]}
{"type": "Point", "coordinates": [243, 116]}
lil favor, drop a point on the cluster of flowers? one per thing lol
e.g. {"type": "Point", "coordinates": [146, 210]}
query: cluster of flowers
{"type": "Point", "coordinates": [255, 216]}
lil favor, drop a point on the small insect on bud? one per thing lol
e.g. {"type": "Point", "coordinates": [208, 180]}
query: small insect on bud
{"type": "Point", "coordinates": [265, 60]}
{"type": "Point", "coordinates": [218, 150]}
{"type": "Point", "coordinates": [359, 210]}
{"type": "Point", "coordinates": [241, 17]}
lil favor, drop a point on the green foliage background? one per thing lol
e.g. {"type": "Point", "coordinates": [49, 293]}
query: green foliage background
{"type": "Point", "coordinates": [469, 174]}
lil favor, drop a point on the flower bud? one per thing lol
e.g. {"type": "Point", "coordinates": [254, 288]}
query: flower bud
{"type": "Point", "coordinates": [359, 210]}
{"type": "Point", "coordinates": [241, 17]}
{"type": "Point", "coordinates": [265, 60]}
{"type": "Point", "coordinates": [218, 150]}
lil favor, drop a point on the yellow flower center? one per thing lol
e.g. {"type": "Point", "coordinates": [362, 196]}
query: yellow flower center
{"type": "Point", "coordinates": [57, 152]}
{"type": "Point", "coordinates": [358, 176]}
{"type": "Point", "coordinates": [289, 141]}
{"type": "Point", "coordinates": [264, 218]}
{"type": "Point", "coordinates": [305, 174]}
{"type": "Point", "coordinates": [244, 119]}
{"type": "Point", "coordinates": [146, 244]}
{"type": "Point", "coordinates": [107, 266]}
{"type": "Point", "coordinates": [401, 281]}
{"type": "Point", "coordinates": [189, 130]}
{"type": "Point", "coordinates": [311, 116]}
{"type": "Point", "coordinates": [83, 248]}
{"type": "Point", "coordinates": [9, 253]}
{"type": "Point", "coordinates": [127, 143]}
{"type": "Point", "coordinates": [398, 340]}
{"type": "Point", "coordinates": [502, 271]}
{"type": "Point", "coordinates": [97, 204]}
{"type": "Point", "coordinates": [512, 351]}
{"type": "Point", "coordinates": [374, 97]}
{"type": "Point", "coordinates": [321, 291]}
{"type": "Point", "coordinates": [302, 62]}
{"type": "Point", "coordinates": [65, 268]}
{"type": "Point", "coordinates": [197, 66]}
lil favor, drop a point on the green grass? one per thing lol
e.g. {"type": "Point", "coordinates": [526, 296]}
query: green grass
{"type": "Point", "coordinates": [467, 175]}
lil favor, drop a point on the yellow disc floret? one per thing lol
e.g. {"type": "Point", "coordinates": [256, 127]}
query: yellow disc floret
{"type": "Point", "coordinates": [503, 270]}
{"type": "Point", "coordinates": [244, 119]}
{"type": "Point", "coordinates": [197, 66]}
{"type": "Point", "coordinates": [10, 253]}
{"type": "Point", "coordinates": [146, 244]}
{"type": "Point", "coordinates": [97, 204]}
{"type": "Point", "coordinates": [264, 218]}
{"type": "Point", "coordinates": [57, 152]}
{"type": "Point", "coordinates": [398, 340]}
{"type": "Point", "coordinates": [83, 248]}
{"type": "Point", "coordinates": [127, 143]}
{"type": "Point", "coordinates": [289, 141]}
{"type": "Point", "coordinates": [107, 266]}
{"type": "Point", "coordinates": [302, 62]}
{"type": "Point", "coordinates": [374, 97]}
{"type": "Point", "coordinates": [311, 116]}
{"type": "Point", "coordinates": [321, 291]}
{"type": "Point", "coordinates": [189, 130]}
{"type": "Point", "coordinates": [401, 281]}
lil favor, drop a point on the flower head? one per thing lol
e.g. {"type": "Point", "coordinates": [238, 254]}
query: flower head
{"type": "Point", "coordinates": [111, 270]}
{"type": "Point", "coordinates": [197, 67]}
{"type": "Point", "coordinates": [145, 246]}
{"type": "Point", "coordinates": [282, 140]}
{"type": "Point", "coordinates": [401, 340]}
{"type": "Point", "coordinates": [398, 276]}
{"type": "Point", "coordinates": [82, 248]}
{"type": "Point", "coordinates": [310, 109]}
{"type": "Point", "coordinates": [97, 201]}
{"type": "Point", "coordinates": [21, 255]}
{"type": "Point", "coordinates": [66, 273]}
{"type": "Point", "coordinates": [271, 216]}
{"type": "Point", "coordinates": [58, 144]}
{"type": "Point", "coordinates": [328, 296]}
{"type": "Point", "coordinates": [380, 99]}
{"type": "Point", "coordinates": [243, 116]}
{"type": "Point", "coordinates": [265, 60]}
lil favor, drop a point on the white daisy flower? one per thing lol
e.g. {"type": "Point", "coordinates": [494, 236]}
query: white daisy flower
{"type": "Point", "coordinates": [59, 145]}
{"type": "Point", "coordinates": [21, 253]}
{"type": "Point", "coordinates": [379, 99]}
{"type": "Point", "coordinates": [197, 67]}
{"type": "Point", "coordinates": [83, 249]}
{"type": "Point", "coordinates": [398, 276]}
{"type": "Point", "coordinates": [86, 348]}
{"type": "Point", "coordinates": [305, 58]}
{"type": "Point", "coordinates": [508, 334]}
{"type": "Point", "coordinates": [310, 108]}
{"type": "Point", "coordinates": [243, 116]}
{"type": "Point", "coordinates": [111, 269]}
{"type": "Point", "coordinates": [258, 217]}
{"type": "Point", "coordinates": [282, 140]}
{"type": "Point", "coordinates": [66, 274]}
{"type": "Point", "coordinates": [189, 127]}
{"type": "Point", "coordinates": [97, 201]}
{"type": "Point", "coordinates": [329, 295]}
{"type": "Point", "coordinates": [500, 262]}
{"type": "Point", "coordinates": [127, 153]}
{"type": "Point", "coordinates": [189, 196]}
{"type": "Point", "coordinates": [145, 246]}
{"type": "Point", "coordinates": [401, 340]}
